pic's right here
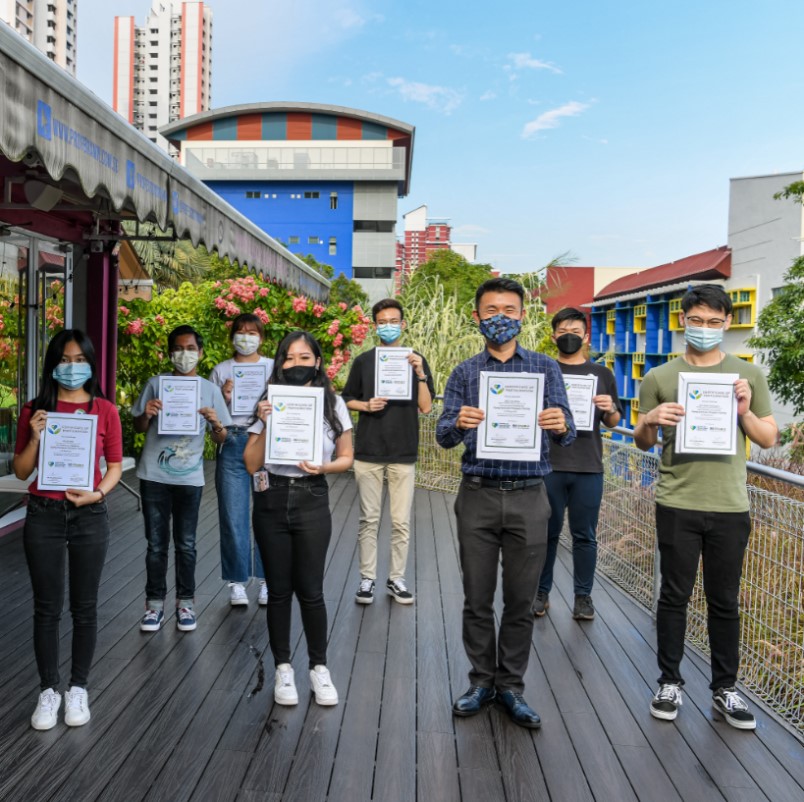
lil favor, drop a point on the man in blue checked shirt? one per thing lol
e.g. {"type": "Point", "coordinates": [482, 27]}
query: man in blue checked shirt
{"type": "Point", "coordinates": [502, 507]}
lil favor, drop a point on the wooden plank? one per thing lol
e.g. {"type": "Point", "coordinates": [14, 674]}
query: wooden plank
{"type": "Point", "coordinates": [220, 781]}
{"type": "Point", "coordinates": [436, 778]}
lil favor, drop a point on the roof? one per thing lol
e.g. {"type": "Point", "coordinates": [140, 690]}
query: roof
{"type": "Point", "coordinates": [707, 266]}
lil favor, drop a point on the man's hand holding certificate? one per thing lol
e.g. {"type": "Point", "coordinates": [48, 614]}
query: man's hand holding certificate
{"type": "Point", "coordinates": [180, 398]}
{"type": "Point", "coordinates": [709, 421]}
{"type": "Point", "coordinates": [581, 391]}
{"type": "Point", "coordinates": [393, 373]}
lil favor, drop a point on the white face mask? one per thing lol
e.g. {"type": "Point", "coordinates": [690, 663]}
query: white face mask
{"type": "Point", "coordinates": [246, 344]}
{"type": "Point", "coordinates": [184, 361]}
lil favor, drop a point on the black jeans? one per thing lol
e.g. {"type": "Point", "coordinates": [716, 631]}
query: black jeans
{"type": "Point", "coordinates": [55, 530]}
{"type": "Point", "coordinates": [490, 523]}
{"type": "Point", "coordinates": [720, 538]}
{"type": "Point", "coordinates": [159, 503]}
{"type": "Point", "coordinates": [292, 527]}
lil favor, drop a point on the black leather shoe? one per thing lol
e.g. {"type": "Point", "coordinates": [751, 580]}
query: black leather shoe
{"type": "Point", "coordinates": [473, 701]}
{"type": "Point", "coordinates": [519, 711]}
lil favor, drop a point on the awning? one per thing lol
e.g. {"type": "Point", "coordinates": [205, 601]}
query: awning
{"type": "Point", "coordinates": [48, 118]}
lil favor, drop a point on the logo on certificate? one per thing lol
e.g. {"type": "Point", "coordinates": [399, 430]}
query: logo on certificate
{"type": "Point", "coordinates": [279, 406]}
{"type": "Point", "coordinates": [54, 428]}
{"type": "Point", "coordinates": [239, 374]}
{"type": "Point", "coordinates": [695, 394]}
{"type": "Point", "coordinates": [169, 388]}
{"type": "Point", "coordinates": [497, 389]}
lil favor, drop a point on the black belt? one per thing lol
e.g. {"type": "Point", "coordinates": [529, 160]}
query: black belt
{"type": "Point", "coordinates": [504, 484]}
{"type": "Point", "coordinates": [277, 480]}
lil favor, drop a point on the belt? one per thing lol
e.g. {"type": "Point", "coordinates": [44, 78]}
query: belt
{"type": "Point", "coordinates": [504, 484]}
{"type": "Point", "coordinates": [277, 480]}
{"type": "Point", "coordinates": [233, 428]}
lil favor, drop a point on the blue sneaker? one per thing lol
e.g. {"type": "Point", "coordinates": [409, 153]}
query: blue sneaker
{"type": "Point", "coordinates": [185, 619]}
{"type": "Point", "coordinates": [152, 620]}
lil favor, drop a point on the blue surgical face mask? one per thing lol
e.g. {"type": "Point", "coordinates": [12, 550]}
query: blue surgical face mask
{"type": "Point", "coordinates": [703, 339]}
{"type": "Point", "coordinates": [72, 375]}
{"type": "Point", "coordinates": [389, 332]}
{"type": "Point", "coordinates": [500, 329]}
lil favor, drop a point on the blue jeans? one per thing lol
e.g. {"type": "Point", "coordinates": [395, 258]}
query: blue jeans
{"type": "Point", "coordinates": [159, 503]}
{"type": "Point", "coordinates": [55, 532]}
{"type": "Point", "coordinates": [580, 494]}
{"type": "Point", "coordinates": [233, 483]}
{"type": "Point", "coordinates": [292, 526]}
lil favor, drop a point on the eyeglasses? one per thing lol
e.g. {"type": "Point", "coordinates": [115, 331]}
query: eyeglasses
{"type": "Point", "coordinates": [712, 323]}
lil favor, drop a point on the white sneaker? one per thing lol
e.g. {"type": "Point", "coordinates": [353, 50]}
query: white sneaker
{"type": "Point", "coordinates": [285, 685]}
{"type": "Point", "coordinates": [47, 710]}
{"type": "Point", "coordinates": [237, 595]}
{"type": "Point", "coordinates": [76, 707]}
{"type": "Point", "coordinates": [262, 599]}
{"type": "Point", "coordinates": [321, 685]}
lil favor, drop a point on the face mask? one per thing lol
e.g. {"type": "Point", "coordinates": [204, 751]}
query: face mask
{"type": "Point", "coordinates": [702, 339]}
{"type": "Point", "coordinates": [246, 344]}
{"type": "Point", "coordinates": [72, 375]}
{"type": "Point", "coordinates": [500, 329]}
{"type": "Point", "coordinates": [389, 332]}
{"type": "Point", "coordinates": [299, 374]}
{"type": "Point", "coordinates": [569, 343]}
{"type": "Point", "coordinates": [184, 361]}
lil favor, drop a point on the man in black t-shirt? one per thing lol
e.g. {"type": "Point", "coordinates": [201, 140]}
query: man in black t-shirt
{"type": "Point", "coordinates": [576, 483]}
{"type": "Point", "coordinates": [386, 447]}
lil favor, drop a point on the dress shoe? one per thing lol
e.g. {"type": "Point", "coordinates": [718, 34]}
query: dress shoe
{"type": "Point", "coordinates": [473, 701]}
{"type": "Point", "coordinates": [519, 711]}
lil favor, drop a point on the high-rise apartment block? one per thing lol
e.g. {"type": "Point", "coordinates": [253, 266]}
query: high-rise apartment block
{"type": "Point", "coordinates": [163, 70]}
{"type": "Point", "coordinates": [49, 25]}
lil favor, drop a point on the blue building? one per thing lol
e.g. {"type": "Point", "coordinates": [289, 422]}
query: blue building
{"type": "Point", "coordinates": [324, 180]}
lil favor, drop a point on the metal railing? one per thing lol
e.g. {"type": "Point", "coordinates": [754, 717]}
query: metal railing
{"type": "Point", "coordinates": [772, 590]}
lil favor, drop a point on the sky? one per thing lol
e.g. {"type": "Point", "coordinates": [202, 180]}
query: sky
{"type": "Point", "coordinates": [603, 130]}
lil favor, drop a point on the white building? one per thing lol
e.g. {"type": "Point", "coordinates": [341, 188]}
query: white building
{"type": "Point", "coordinates": [49, 25]}
{"type": "Point", "coordinates": [163, 70]}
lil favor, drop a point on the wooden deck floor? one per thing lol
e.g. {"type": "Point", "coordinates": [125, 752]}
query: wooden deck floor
{"type": "Point", "coordinates": [173, 716]}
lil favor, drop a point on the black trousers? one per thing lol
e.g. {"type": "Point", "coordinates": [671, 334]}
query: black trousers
{"type": "Point", "coordinates": [292, 527]}
{"type": "Point", "coordinates": [720, 538]}
{"type": "Point", "coordinates": [511, 524]}
{"type": "Point", "coordinates": [54, 532]}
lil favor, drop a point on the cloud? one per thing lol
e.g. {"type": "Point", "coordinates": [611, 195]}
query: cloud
{"type": "Point", "coordinates": [438, 98]}
{"type": "Point", "coordinates": [552, 118]}
{"type": "Point", "coordinates": [488, 95]}
{"type": "Point", "coordinates": [349, 19]}
{"type": "Point", "coordinates": [525, 61]}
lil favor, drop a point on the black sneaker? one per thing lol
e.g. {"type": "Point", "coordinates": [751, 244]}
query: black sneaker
{"type": "Point", "coordinates": [399, 590]}
{"type": "Point", "coordinates": [365, 593]}
{"type": "Point", "coordinates": [583, 610]}
{"type": "Point", "coordinates": [541, 604]}
{"type": "Point", "coordinates": [731, 706]}
{"type": "Point", "coordinates": [666, 702]}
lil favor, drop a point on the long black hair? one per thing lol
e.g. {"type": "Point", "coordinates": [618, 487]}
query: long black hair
{"type": "Point", "coordinates": [49, 388]}
{"type": "Point", "coordinates": [319, 380]}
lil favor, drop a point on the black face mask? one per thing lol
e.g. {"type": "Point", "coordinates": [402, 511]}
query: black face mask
{"type": "Point", "coordinates": [299, 374]}
{"type": "Point", "coordinates": [569, 343]}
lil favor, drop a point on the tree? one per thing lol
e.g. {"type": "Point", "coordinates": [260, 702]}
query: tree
{"type": "Point", "coordinates": [348, 291]}
{"type": "Point", "coordinates": [456, 276]}
{"type": "Point", "coordinates": [327, 271]}
{"type": "Point", "coordinates": [780, 336]}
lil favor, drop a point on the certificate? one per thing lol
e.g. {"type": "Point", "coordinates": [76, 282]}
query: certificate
{"type": "Point", "coordinates": [393, 374]}
{"type": "Point", "coordinates": [709, 425]}
{"type": "Point", "coordinates": [67, 452]}
{"type": "Point", "coordinates": [580, 392]}
{"type": "Point", "coordinates": [249, 385]}
{"type": "Point", "coordinates": [181, 400]}
{"type": "Point", "coordinates": [512, 403]}
{"type": "Point", "coordinates": [295, 425]}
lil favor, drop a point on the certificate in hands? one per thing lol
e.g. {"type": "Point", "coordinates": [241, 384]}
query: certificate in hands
{"type": "Point", "coordinates": [181, 400]}
{"type": "Point", "coordinates": [580, 392]}
{"type": "Point", "coordinates": [295, 429]}
{"type": "Point", "coordinates": [393, 375]}
{"type": "Point", "coordinates": [67, 452]}
{"type": "Point", "coordinates": [512, 403]}
{"type": "Point", "coordinates": [709, 425]}
{"type": "Point", "coordinates": [249, 385]}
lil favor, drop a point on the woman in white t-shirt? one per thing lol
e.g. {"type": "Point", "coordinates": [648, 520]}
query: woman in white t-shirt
{"type": "Point", "coordinates": [232, 481]}
{"type": "Point", "coordinates": [292, 523]}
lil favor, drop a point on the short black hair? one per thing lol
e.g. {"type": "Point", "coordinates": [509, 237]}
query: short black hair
{"type": "Point", "coordinates": [568, 313]}
{"type": "Point", "coordinates": [245, 319]}
{"type": "Point", "coordinates": [180, 331]}
{"type": "Point", "coordinates": [499, 285]}
{"type": "Point", "coordinates": [711, 295]}
{"type": "Point", "coordinates": [386, 303]}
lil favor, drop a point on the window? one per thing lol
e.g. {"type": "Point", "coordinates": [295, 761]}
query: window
{"type": "Point", "coordinates": [373, 272]}
{"type": "Point", "coordinates": [313, 241]}
{"type": "Point", "coordinates": [252, 194]}
{"type": "Point", "coordinates": [383, 226]}
{"type": "Point", "coordinates": [312, 195]}
{"type": "Point", "coordinates": [333, 246]}
{"type": "Point", "coordinates": [293, 240]}
{"type": "Point", "coordinates": [333, 200]}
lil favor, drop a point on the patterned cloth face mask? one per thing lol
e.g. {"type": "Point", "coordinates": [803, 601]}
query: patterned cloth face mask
{"type": "Point", "coordinates": [500, 329]}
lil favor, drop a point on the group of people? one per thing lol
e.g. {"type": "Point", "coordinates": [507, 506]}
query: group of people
{"type": "Point", "coordinates": [509, 512]}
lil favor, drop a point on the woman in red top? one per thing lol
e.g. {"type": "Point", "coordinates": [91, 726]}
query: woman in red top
{"type": "Point", "coordinates": [72, 523]}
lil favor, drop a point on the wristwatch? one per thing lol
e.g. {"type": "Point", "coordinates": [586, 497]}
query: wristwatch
{"type": "Point", "coordinates": [422, 378]}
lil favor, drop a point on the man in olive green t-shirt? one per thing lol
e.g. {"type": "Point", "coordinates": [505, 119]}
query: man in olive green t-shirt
{"type": "Point", "coordinates": [702, 505]}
